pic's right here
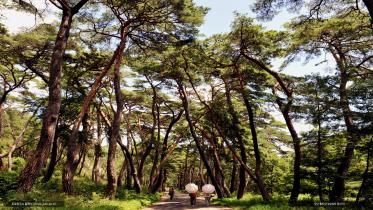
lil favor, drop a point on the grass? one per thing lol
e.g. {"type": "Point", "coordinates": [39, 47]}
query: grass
{"type": "Point", "coordinates": [87, 196]}
{"type": "Point", "coordinates": [255, 202]}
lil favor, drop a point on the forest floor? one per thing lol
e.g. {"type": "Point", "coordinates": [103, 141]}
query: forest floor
{"type": "Point", "coordinates": [181, 202]}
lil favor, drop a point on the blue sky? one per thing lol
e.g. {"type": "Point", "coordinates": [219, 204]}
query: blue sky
{"type": "Point", "coordinates": [220, 17]}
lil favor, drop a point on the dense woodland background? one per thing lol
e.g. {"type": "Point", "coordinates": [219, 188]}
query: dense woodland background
{"type": "Point", "coordinates": [121, 99]}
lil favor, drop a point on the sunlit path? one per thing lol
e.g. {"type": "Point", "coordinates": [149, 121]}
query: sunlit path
{"type": "Point", "coordinates": [181, 201]}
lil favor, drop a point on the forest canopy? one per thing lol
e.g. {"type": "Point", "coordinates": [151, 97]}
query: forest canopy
{"type": "Point", "coordinates": [116, 101]}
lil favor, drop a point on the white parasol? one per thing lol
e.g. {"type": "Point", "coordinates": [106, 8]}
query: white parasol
{"type": "Point", "coordinates": [208, 188]}
{"type": "Point", "coordinates": [191, 188]}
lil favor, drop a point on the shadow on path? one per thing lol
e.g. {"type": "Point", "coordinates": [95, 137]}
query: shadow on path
{"type": "Point", "coordinates": [181, 201]}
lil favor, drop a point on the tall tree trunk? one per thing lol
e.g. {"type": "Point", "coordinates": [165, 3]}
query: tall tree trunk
{"type": "Point", "coordinates": [233, 182]}
{"type": "Point", "coordinates": [218, 170]}
{"type": "Point", "coordinates": [218, 166]}
{"type": "Point", "coordinates": [115, 131]}
{"type": "Point", "coordinates": [122, 173]}
{"type": "Point", "coordinates": [258, 162]}
{"type": "Point", "coordinates": [164, 180]}
{"type": "Point", "coordinates": [319, 153]}
{"type": "Point", "coordinates": [128, 156]}
{"type": "Point", "coordinates": [82, 162]}
{"type": "Point", "coordinates": [157, 179]}
{"type": "Point", "coordinates": [196, 138]}
{"type": "Point", "coordinates": [365, 174]}
{"type": "Point", "coordinates": [297, 159]}
{"type": "Point", "coordinates": [136, 180]}
{"type": "Point", "coordinates": [53, 159]}
{"type": "Point", "coordinates": [238, 135]}
{"type": "Point", "coordinates": [96, 170]}
{"type": "Point", "coordinates": [185, 169]}
{"type": "Point", "coordinates": [72, 162]}
{"type": "Point", "coordinates": [200, 173]}
{"type": "Point", "coordinates": [73, 150]}
{"type": "Point", "coordinates": [221, 133]}
{"type": "Point", "coordinates": [10, 157]}
{"type": "Point", "coordinates": [285, 109]}
{"type": "Point", "coordinates": [128, 176]}
{"type": "Point", "coordinates": [149, 146]}
{"type": "Point", "coordinates": [41, 153]}
{"type": "Point", "coordinates": [156, 152]}
{"type": "Point", "coordinates": [352, 134]}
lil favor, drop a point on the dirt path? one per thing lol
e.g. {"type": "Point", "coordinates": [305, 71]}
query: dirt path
{"type": "Point", "coordinates": [181, 202]}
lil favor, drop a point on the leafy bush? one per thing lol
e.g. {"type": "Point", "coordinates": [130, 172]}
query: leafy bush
{"type": "Point", "coordinates": [8, 181]}
{"type": "Point", "coordinates": [87, 195]}
{"type": "Point", "coordinates": [18, 164]}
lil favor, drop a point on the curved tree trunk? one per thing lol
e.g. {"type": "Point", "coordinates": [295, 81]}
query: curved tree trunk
{"type": "Point", "coordinates": [285, 110]}
{"type": "Point", "coordinates": [232, 186]}
{"type": "Point", "coordinates": [156, 152]}
{"type": "Point", "coordinates": [237, 133]}
{"type": "Point", "coordinates": [96, 169]}
{"type": "Point", "coordinates": [115, 131]}
{"type": "Point", "coordinates": [53, 159]}
{"type": "Point", "coordinates": [196, 139]}
{"type": "Point", "coordinates": [365, 174]}
{"type": "Point", "coordinates": [258, 162]}
{"type": "Point", "coordinates": [128, 176]}
{"type": "Point", "coordinates": [73, 150]}
{"type": "Point", "coordinates": [136, 180]}
{"type": "Point", "coordinates": [122, 173]}
{"type": "Point", "coordinates": [352, 139]}
{"type": "Point", "coordinates": [148, 148]}
{"type": "Point", "coordinates": [41, 153]}
{"type": "Point", "coordinates": [157, 179]}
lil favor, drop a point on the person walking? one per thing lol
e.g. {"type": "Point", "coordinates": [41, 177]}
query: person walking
{"type": "Point", "coordinates": [171, 193]}
{"type": "Point", "coordinates": [193, 198]}
{"type": "Point", "coordinates": [208, 197]}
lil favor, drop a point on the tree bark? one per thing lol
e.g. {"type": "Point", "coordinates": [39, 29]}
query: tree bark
{"type": "Point", "coordinates": [41, 153]}
{"type": "Point", "coordinates": [258, 162]}
{"type": "Point", "coordinates": [184, 98]}
{"type": "Point", "coordinates": [285, 110]}
{"type": "Point", "coordinates": [156, 181]}
{"type": "Point", "coordinates": [365, 174]}
{"type": "Point", "coordinates": [115, 131]}
{"type": "Point", "coordinates": [128, 155]}
{"type": "Point", "coordinates": [233, 182]}
{"type": "Point", "coordinates": [319, 153]}
{"type": "Point", "coordinates": [128, 176]}
{"type": "Point", "coordinates": [237, 132]}
{"type": "Point", "coordinates": [136, 180]}
{"type": "Point", "coordinates": [96, 170]}
{"type": "Point", "coordinates": [53, 159]}
{"type": "Point", "coordinates": [73, 151]}
{"type": "Point", "coordinates": [352, 135]}
{"type": "Point", "coordinates": [149, 146]}
{"type": "Point", "coordinates": [122, 173]}
{"type": "Point", "coordinates": [156, 152]}
{"type": "Point", "coordinates": [297, 159]}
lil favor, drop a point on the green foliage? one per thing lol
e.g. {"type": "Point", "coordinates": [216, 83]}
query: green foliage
{"type": "Point", "coordinates": [255, 202]}
{"type": "Point", "coordinates": [88, 195]}
{"type": "Point", "coordinates": [8, 181]}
